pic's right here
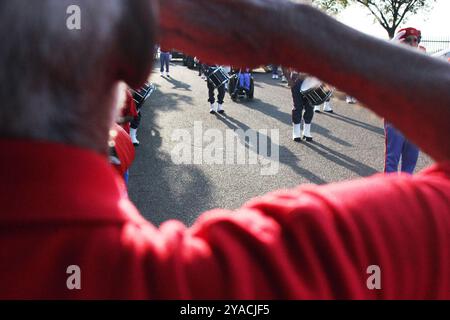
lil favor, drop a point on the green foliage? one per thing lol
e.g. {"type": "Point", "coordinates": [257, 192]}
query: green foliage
{"type": "Point", "coordinates": [388, 13]}
{"type": "Point", "coordinates": [332, 7]}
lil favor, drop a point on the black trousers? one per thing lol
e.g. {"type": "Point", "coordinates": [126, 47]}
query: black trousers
{"type": "Point", "coordinates": [220, 95]}
{"type": "Point", "coordinates": [302, 108]}
{"type": "Point", "coordinates": [134, 124]}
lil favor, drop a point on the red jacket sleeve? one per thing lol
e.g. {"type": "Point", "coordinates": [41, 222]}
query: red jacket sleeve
{"type": "Point", "coordinates": [124, 148]}
{"type": "Point", "coordinates": [314, 243]}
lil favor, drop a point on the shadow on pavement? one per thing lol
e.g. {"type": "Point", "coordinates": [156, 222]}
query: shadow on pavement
{"type": "Point", "coordinates": [158, 187]}
{"type": "Point", "coordinates": [287, 157]}
{"type": "Point", "coordinates": [269, 110]}
{"type": "Point", "coordinates": [178, 85]}
{"type": "Point", "coordinates": [341, 159]}
{"type": "Point", "coordinates": [327, 134]}
{"type": "Point", "coordinates": [355, 122]}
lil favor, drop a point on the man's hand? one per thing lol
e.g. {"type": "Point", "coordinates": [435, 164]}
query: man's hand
{"type": "Point", "coordinates": [227, 31]}
{"type": "Point", "coordinates": [398, 36]}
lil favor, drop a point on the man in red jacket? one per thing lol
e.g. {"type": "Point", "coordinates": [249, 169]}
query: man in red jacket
{"type": "Point", "coordinates": [67, 231]}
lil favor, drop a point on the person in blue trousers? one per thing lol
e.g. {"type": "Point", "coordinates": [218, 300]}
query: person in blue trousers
{"type": "Point", "coordinates": [165, 61]}
{"type": "Point", "coordinates": [274, 72]}
{"type": "Point", "coordinates": [399, 148]}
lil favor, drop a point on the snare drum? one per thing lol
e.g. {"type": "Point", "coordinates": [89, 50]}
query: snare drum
{"type": "Point", "coordinates": [315, 91]}
{"type": "Point", "coordinates": [218, 77]}
{"type": "Point", "coordinates": [142, 94]}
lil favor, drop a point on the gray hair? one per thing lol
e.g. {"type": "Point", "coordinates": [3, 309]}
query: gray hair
{"type": "Point", "coordinates": [58, 84]}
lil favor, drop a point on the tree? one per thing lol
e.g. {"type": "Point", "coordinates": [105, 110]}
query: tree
{"type": "Point", "coordinates": [331, 6]}
{"type": "Point", "coordinates": [391, 13]}
{"type": "Point", "coordinates": [388, 13]}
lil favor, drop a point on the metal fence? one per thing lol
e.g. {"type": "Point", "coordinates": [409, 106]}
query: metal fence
{"type": "Point", "coordinates": [435, 44]}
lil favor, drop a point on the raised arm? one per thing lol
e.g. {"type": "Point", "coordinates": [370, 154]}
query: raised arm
{"type": "Point", "coordinates": [314, 243]}
{"type": "Point", "coordinates": [408, 88]}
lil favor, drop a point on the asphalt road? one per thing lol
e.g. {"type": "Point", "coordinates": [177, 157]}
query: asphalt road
{"type": "Point", "coordinates": [347, 144]}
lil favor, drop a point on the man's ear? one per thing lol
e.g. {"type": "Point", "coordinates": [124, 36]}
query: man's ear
{"type": "Point", "coordinates": [136, 41]}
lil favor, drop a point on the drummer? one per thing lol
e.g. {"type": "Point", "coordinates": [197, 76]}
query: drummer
{"type": "Point", "coordinates": [209, 70]}
{"type": "Point", "coordinates": [302, 107]}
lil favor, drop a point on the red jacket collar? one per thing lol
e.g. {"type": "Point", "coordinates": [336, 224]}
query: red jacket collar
{"type": "Point", "coordinates": [48, 181]}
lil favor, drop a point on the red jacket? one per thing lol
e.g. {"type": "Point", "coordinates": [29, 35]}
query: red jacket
{"type": "Point", "coordinates": [124, 149]}
{"type": "Point", "coordinates": [165, 49]}
{"type": "Point", "coordinates": [129, 109]}
{"type": "Point", "coordinates": [63, 206]}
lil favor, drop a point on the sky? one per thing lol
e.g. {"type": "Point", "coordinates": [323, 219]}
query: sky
{"type": "Point", "coordinates": [435, 23]}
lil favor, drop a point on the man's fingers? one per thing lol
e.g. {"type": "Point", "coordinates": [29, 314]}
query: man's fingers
{"type": "Point", "coordinates": [398, 36]}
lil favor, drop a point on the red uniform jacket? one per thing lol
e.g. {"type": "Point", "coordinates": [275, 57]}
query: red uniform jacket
{"type": "Point", "coordinates": [165, 49]}
{"type": "Point", "coordinates": [63, 206]}
{"type": "Point", "coordinates": [124, 149]}
{"type": "Point", "coordinates": [129, 109]}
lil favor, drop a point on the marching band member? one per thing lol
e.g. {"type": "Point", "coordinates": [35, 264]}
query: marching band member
{"type": "Point", "coordinates": [302, 109]}
{"type": "Point", "coordinates": [208, 70]}
{"type": "Point", "coordinates": [397, 146]}
{"type": "Point", "coordinates": [137, 98]}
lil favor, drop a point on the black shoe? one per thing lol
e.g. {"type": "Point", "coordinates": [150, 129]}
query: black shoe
{"type": "Point", "coordinates": [308, 139]}
{"type": "Point", "coordinates": [329, 111]}
{"type": "Point", "coordinates": [221, 111]}
{"type": "Point", "coordinates": [317, 111]}
{"type": "Point", "coordinates": [212, 111]}
{"type": "Point", "coordinates": [298, 139]}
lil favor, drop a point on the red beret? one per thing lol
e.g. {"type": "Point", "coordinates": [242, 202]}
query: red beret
{"type": "Point", "coordinates": [410, 32]}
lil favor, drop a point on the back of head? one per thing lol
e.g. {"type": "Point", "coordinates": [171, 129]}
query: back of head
{"type": "Point", "coordinates": [56, 82]}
